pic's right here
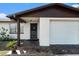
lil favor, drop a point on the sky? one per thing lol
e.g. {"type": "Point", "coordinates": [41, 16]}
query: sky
{"type": "Point", "coordinates": [10, 8]}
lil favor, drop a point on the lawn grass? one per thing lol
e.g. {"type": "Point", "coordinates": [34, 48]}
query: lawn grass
{"type": "Point", "coordinates": [3, 53]}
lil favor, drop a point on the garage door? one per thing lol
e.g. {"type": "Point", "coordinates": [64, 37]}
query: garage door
{"type": "Point", "coordinates": [64, 32]}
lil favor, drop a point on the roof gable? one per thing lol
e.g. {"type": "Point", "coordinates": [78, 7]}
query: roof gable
{"type": "Point", "coordinates": [49, 10]}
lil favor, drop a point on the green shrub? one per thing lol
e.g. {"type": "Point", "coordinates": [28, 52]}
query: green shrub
{"type": "Point", "coordinates": [4, 35]}
{"type": "Point", "coordinates": [11, 44]}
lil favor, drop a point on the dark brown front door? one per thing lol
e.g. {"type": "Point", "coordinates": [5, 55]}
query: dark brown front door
{"type": "Point", "coordinates": [33, 30]}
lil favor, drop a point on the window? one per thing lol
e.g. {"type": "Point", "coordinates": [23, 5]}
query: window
{"type": "Point", "coordinates": [13, 29]}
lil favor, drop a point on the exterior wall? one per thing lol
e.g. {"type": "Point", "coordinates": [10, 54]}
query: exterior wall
{"type": "Point", "coordinates": [26, 34]}
{"type": "Point", "coordinates": [44, 32]}
{"type": "Point", "coordinates": [28, 21]}
{"type": "Point", "coordinates": [67, 29]}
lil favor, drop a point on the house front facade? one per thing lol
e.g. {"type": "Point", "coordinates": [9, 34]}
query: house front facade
{"type": "Point", "coordinates": [52, 24]}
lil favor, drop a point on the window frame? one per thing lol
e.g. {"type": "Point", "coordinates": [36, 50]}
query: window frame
{"type": "Point", "coordinates": [21, 32]}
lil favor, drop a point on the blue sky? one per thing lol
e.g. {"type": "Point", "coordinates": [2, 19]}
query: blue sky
{"type": "Point", "coordinates": [9, 8]}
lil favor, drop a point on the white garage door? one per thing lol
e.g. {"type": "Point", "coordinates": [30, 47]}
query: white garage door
{"type": "Point", "coordinates": [64, 32]}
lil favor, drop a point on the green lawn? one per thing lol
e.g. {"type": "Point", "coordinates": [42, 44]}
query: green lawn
{"type": "Point", "coordinates": [3, 53]}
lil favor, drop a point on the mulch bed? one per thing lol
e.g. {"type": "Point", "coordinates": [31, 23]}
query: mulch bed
{"type": "Point", "coordinates": [36, 51]}
{"type": "Point", "coordinates": [33, 49]}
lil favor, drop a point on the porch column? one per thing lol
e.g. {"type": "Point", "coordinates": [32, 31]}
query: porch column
{"type": "Point", "coordinates": [44, 32]}
{"type": "Point", "coordinates": [18, 32]}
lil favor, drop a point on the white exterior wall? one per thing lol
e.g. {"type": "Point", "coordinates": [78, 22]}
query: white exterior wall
{"type": "Point", "coordinates": [26, 29]}
{"type": "Point", "coordinates": [27, 26]}
{"type": "Point", "coordinates": [44, 32]}
{"type": "Point", "coordinates": [26, 34]}
{"type": "Point", "coordinates": [50, 28]}
{"type": "Point", "coordinates": [59, 31]}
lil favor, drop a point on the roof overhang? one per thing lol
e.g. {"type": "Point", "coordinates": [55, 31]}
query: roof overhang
{"type": "Point", "coordinates": [14, 17]}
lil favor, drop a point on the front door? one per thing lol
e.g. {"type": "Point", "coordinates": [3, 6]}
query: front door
{"type": "Point", "coordinates": [33, 30]}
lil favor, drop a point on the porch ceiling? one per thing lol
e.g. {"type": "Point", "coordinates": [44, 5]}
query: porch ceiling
{"type": "Point", "coordinates": [27, 19]}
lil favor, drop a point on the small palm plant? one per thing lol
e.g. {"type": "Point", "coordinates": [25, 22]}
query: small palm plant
{"type": "Point", "coordinates": [12, 45]}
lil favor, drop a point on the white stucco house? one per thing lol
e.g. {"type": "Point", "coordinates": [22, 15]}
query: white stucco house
{"type": "Point", "coordinates": [52, 24]}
